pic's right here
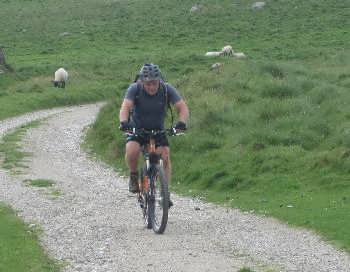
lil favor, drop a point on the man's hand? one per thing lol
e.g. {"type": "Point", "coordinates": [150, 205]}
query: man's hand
{"type": "Point", "coordinates": [125, 126]}
{"type": "Point", "coordinates": [181, 126]}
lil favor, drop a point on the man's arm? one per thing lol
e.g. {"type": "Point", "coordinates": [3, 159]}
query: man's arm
{"type": "Point", "coordinates": [182, 110]}
{"type": "Point", "coordinates": [125, 109]}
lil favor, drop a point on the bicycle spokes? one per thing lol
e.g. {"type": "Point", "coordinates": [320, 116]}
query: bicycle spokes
{"type": "Point", "coordinates": [160, 201]}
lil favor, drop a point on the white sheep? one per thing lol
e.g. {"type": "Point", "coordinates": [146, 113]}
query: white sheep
{"type": "Point", "coordinates": [258, 5]}
{"type": "Point", "coordinates": [216, 67]}
{"type": "Point", "coordinates": [61, 76]}
{"type": "Point", "coordinates": [213, 54]}
{"type": "Point", "coordinates": [239, 55]}
{"type": "Point", "coordinates": [227, 50]}
{"type": "Point", "coordinates": [195, 8]}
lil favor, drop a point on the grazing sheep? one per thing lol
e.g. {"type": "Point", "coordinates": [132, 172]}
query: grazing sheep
{"type": "Point", "coordinates": [213, 54]}
{"type": "Point", "coordinates": [61, 76]}
{"type": "Point", "coordinates": [64, 34]}
{"type": "Point", "coordinates": [227, 50]}
{"type": "Point", "coordinates": [216, 67]}
{"type": "Point", "coordinates": [195, 8]}
{"type": "Point", "coordinates": [258, 5]}
{"type": "Point", "coordinates": [239, 55]}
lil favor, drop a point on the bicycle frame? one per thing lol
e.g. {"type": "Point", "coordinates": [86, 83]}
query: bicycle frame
{"type": "Point", "coordinates": [153, 195]}
{"type": "Point", "coordinates": [152, 159]}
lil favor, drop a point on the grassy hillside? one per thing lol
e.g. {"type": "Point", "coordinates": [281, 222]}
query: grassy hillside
{"type": "Point", "coordinates": [275, 145]}
{"type": "Point", "coordinates": [102, 43]}
{"type": "Point", "coordinates": [269, 133]}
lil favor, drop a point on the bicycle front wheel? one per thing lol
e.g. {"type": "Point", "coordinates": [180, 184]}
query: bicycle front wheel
{"type": "Point", "coordinates": [159, 204]}
{"type": "Point", "coordinates": [144, 194]}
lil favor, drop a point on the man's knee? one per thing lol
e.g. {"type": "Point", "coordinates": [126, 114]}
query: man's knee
{"type": "Point", "coordinates": [165, 152]}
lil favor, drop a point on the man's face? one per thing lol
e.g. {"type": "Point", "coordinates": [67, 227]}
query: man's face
{"type": "Point", "coordinates": [151, 86]}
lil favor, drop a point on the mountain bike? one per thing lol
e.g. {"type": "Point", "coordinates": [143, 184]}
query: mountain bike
{"type": "Point", "coordinates": [153, 196]}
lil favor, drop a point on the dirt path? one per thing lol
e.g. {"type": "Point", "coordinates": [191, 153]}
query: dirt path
{"type": "Point", "coordinates": [95, 225]}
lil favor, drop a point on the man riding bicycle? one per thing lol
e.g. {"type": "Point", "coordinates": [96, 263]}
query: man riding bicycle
{"type": "Point", "coordinates": [148, 99]}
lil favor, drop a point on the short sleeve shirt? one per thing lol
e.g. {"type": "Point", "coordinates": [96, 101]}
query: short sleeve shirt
{"type": "Point", "coordinates": [150, 110]}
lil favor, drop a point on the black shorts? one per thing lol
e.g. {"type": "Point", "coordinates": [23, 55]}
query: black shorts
{"type": "Point", "coordinates": [161, 139]}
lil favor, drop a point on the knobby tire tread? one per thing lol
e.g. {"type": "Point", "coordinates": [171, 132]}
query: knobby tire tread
{"type": "Point", "coordinates": [146, 209]}
{"type": "Point", "coordinates": [165, 203]}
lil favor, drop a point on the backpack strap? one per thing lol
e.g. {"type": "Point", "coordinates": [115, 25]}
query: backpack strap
{"type": "Point", "coordinates": [166, 94]}
{"type": "Point", "coordinates": [167, 102]}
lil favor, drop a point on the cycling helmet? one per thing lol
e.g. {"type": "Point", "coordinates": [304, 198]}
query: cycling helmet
{"type": "Point", "coordinates": [149, 72]}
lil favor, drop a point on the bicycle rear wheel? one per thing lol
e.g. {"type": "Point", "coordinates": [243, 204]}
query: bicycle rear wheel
{"type": "Point", "coordinates": [159, 200]}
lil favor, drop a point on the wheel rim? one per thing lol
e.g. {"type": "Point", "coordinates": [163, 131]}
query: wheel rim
{"type": "Point", "coordinates": [146, 211]}
{"type": "Point", "coordinates": [158, 210]}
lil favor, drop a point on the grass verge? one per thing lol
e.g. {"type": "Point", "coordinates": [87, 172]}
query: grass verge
{"type": "Point", "coordinates": [19, 247]}
{"type": "Point", "coordinates": [12, 155]}
{"type": "Point", "coordinates": [245, 270]}
{"type": "Point", "coordinates": [39, 182]}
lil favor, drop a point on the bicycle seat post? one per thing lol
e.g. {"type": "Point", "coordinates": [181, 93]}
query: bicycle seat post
{"type": "Point", "coordinates": [152, 145]}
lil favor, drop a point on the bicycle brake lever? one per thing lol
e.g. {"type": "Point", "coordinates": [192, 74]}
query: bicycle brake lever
{"type": "Point", "coordinates": [131, 132]}
{"type": "Point", "coordinates": [175, 132]}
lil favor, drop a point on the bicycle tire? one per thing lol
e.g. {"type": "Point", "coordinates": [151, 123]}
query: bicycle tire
{"type": "Point", "coordinates": [145, 198]}
{"type": "Point", "coordinates": [159, 202]}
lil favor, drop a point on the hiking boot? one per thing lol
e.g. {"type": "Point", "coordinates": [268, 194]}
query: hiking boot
{"type": "Point", "coordinates": [133, 183]}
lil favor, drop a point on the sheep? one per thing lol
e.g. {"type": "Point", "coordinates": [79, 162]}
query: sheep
{"type": "Point", "coordinates": [239, 55]}
{"type": "Point", "coordinates": [258, 5]}
{"type": "Point", "coordinates": [195, 8]}
{"type": "Point", "coordinates": [216, 67]}
{"type": "Point", "coordinates": [213, 54]}
{"type": "Point", "coordinates": [227, 50]}
{"type": "Point", "coordinates": [61, 76]}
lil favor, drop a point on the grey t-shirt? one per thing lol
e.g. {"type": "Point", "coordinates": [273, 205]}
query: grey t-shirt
{"type": "Point", "coordinates": [150, 110]}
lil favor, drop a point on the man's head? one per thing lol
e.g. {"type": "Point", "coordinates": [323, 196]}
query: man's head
{"type": "Point", "coordinates": [150, 76]}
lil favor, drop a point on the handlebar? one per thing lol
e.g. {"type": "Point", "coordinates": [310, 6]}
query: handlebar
{"type": "Point", "coordinates": [145, 132]}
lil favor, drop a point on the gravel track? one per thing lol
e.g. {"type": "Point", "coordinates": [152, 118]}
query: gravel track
{"type": "Point", "coordinates": [95, 224]}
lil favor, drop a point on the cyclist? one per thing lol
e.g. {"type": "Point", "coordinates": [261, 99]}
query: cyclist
{"type": "Point", "coordinates": [147, 99]}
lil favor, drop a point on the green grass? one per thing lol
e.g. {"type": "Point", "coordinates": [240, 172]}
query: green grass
{"type": "Point", "coordinates": [19, 248]}
{"type": "Point", "coordinates": [102, 44]}
{"type": "Point", "coordinates": [269, 134]}
{"type": "Point", "coordinates": [10, 152]}
{"type": "Point", "coordinates": [45, 183]}
{"type": "Point", "coordinates": [56, 193]}
{"type": "Point", "coordinates": [280, 146]}
{"type": "Point", "coordinates": [245, 270]}
{"type": "Point", "coordinates": [39, 182]}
